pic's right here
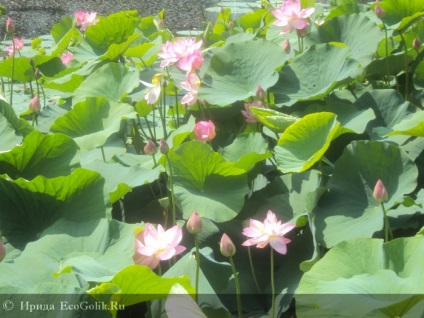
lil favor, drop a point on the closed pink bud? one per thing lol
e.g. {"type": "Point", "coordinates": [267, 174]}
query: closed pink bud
{"type": "Point", "coordinates": [163, 147]}
{"type": "Point", "coordinates": [379, 11]}
{"type": "Point", "coordinates": [204, 130]}
{"type": "Point", "coordinates": [10, 26]}
{"type": "Point", "coordinates": [380, 193]}
{"type": "Point", "coordinates": [227, 246]}
{"type": "Point", "coordinates": [286, 46]}
{"type": "Point", "coordinates": [34, 104]}
{"type": "Point", "coordinates": [194, 223]}
{"type": "Point", "coordinates": [260, 93]}
{"type": "Point", "coordinates": [416, 44]}
{"type": "Point", "coordinates": [2, 251]}
{"type": "Point", "coordinates": [150, 148]}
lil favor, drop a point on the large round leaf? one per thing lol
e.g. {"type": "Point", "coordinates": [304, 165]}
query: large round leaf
{"type": "Point", "coordinates": [357, 31]}
{"type": "Point", "coordinates": [365, 278]}
{"type": "Point", "coordinates": [112, 81]}
{"type": "Point", "coordinates": [349, 210]}
{"type": "Point", "coordinates": [315, 73]}
{"type": "Point", "coordinates": [237, 69]}
{"type": "Point", "coordinates": [46, 155]}
{"type": "Point", "coordinates": [205, 182]}
{"type": "Point", "coordinates": [304, 143]}
{"type": "Point", "coordinates": [92, 121]}
{"type": "Point", "coordinates": [28, 207]}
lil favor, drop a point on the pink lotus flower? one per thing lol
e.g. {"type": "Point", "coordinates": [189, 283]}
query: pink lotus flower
{"type": "Point", "coordinates": [34, 104]}
{"type": "Point", "coordinates": [226, 246]}
{"type": "Point", "coordinates": [191, 85]}
{"type": "Point", "coordinates": [248, 114]}
{"type": "Point", "coordinates": [380, 193]}
{"type": "Point", "coordinates": [154, 245]}
{"type": "Point", "coordinates": [150, 148]}
{"type": "Point", "coordinates": [271, 231]}
{"type": "Point", "coordinates": [204, 131]}
{"type": "Point", "coordinates": [18, 43]}
{"type": "Point", "coordinates": [194, 223]}
{"type": "Point", "coordinates": [185, 53]}
{"type": "Point", "coordinates": [290, 16]}
{"type": "Point", "coordinates": [153, 93]}
{"type": "Point", "coordinates": [10, 26]}
{"type": "Point", "coordinates": [66, 58]}
{"type": "Point", "coordinates": [85, 19]}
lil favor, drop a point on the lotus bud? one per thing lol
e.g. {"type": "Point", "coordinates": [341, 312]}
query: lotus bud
{"type": "Point", "coordinates": [416, 44]}
{"type": "Point", "coordinates": [34, 104]}
{"type": "Point", "coordinates": [163, 147]}
{"type": "Point", "coordinates": [379, 11]}
{"type": "Point", "coordinates": [260, 93]}
{"type": "Point", "coordinates": [380, 193]}
{"type": "Point", "coordinates": [286, 46]}
{"type": "Point", "coordinates": [227, 246]}
{"type": "Point", "coordinates": [150, 148]}
{"type": "Point", "coordinates": [10, 26]}
{"type": "Point", "coordinates": [204, 130]}
{"type": "Point", "coordinates": [194, 223]}
{"type": "Point", "coordinates": [37, 73]}
{"type": "Point", "coordinates": [2, 251]}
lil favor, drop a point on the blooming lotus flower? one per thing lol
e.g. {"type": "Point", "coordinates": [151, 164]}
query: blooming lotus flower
{"type": "Point", "coordinates": [154, 245]}
{"type": "Point", "coordinates": [185, 53]}
{"type": "Point", "coordinates": [18, 43]}
{"type": "Point", "coordinates": [204, 130]}
{"type": "Point", "coordinates": [34, 104]}
{"type": "Point", "coordinates": [380, 193]}
{"type": "Point", "coordinates": [10, 26]}
{"type": "Point", "coordinates": [155, 88]}
{"type": "Point", "coordinates": [248, 114]}
{"type": "Point", "coordinates": [290, 16]}
{"type": "Point", "coordinates": [194, 223]}
{"type": "Point", "coordinates": [226, 246]}
{"type": "Point", "coordinates": [85, 19]}
{"type": "Point", "coordinates": [191, 85]}
{"type": "Point", "coordinates": [67, 58]}
{"type": "Point", "coordinates": [270, 231]}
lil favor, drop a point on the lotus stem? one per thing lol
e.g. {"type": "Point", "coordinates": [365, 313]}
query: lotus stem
{"type": "Point", "coordinates": [171, 187]}
{"type": "Point", "coordinates": [237, 287]}
{"type": "Point", "coordinates": [388, 234]}
{"type": "Point", "coordinates": [272, 285]}
{"type": "Point", "coordinates": [253, 270]}
{"type": "Point", "coordinates": [196, 243]}
{"type": "Point", "coordinates": [406, 68]}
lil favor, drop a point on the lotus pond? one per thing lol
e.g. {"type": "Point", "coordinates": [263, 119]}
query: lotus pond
{"type": "Point", "coordinates": [270, 165]}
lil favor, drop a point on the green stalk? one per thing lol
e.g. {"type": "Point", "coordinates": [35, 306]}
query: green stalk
{"type": "Point", "coordinates": [150, 130]}
{"type": "Point", "coordinates": [406, 68]}
{"type": "Point", "coordinates": [387, 55]}
{"type": "Point", "coordinates": [196, 242]}
{"type": "Point", "coordinates": [163, 116]}
{"type": "Point", "coordinates": [160, 300]}
{"type": "Point", "coordinates": [13, 73]}
{"type": "Point", "coordinates": [253, 270]}
{"type": "Point", "coordinates": [103, 153]}
{"type": "Point", "coordinates": [237, 287]}
{"type": "Point", "coordinates": [272, 285]}
{"type": "Point", "coordinates": [171, 186]}
{"type": "Point", "coordinates": [388, 235]}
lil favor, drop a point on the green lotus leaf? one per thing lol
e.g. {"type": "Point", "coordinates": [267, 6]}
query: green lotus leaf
{"type": "Point", "coordinates": [348, 210]}
{"type": "Point", "coordinates": [315, 73]}
{"type": "Point", "coordinates": [112, 81]}
{"type": "Point", "coordinates": [22, 69]}
{"type": "Point", "coordinates": [396, 10]}
{"type": "Point", "coordinates": [205, 182]}
{"type": "Point", "coordinates": [12, 128]}
{"type": "Point", "coordinates": [39, 154]}
{"type": "Point", "coordinates": [92, 122]}
{"type": "Point", "coordinates": [412, 125]}
{"type": "Point", "coordinates": [247, 150]}
{"type": "Point", "coordinates": [304, 143]}
{"type": "Point", "coordinates": [94, 250]}
{"type": "Point", "coordinates": [114, 29]}
{"type": "Point", "coordinates": [356, 30]}
{"type": "Point", "coordinates": [365, 278]}
{"type": "Point", "coordinates": [135, 284]}
{"type": "Point", "coordinates": [236, 70]}
{"type": "Point", "coordinates": [29, 207]}
{"type": "Point", "coordinates": [121, 179]}
{"type": "Point", "coordinates": [274, 120]}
